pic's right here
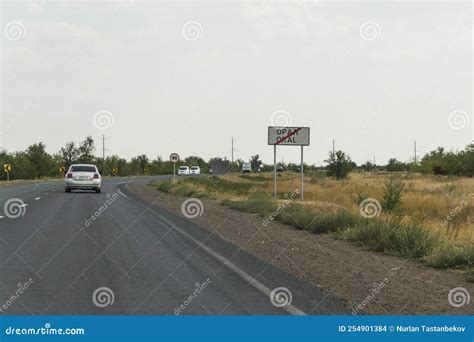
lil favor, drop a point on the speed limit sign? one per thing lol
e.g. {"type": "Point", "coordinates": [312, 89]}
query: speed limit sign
{"type": "Point", "coordinates": [174, 157]}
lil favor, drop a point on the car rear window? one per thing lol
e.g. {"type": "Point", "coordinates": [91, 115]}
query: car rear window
{"type": "Point", "coordinates": [194, 167]}
{"type": "Point", "coordinates": [83, 169]}
{"type": "Point", "coordinates": [183, 167]}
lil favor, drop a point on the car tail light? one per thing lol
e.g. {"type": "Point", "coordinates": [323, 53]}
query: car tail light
{"type": "Point", "coordinates": [96, 175]}
{"type": "Point", "coordinates": [69, 175]}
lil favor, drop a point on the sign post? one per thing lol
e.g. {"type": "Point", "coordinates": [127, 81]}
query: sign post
{"type": "Point", "coordinates": [174, 158]}
{"type": "Point", "coordinates": [288, 136]}
{"type": "Point", "coordinates": [7, 168]}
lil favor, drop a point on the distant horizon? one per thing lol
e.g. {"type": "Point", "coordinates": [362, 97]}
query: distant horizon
{"type": "Point", "coordinates": [280, 151]}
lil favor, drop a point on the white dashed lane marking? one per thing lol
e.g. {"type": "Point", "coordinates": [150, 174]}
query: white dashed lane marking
{"type": "Point", "coordinates": [37, 198]}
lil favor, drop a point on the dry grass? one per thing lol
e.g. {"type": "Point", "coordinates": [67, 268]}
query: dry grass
{"type": "Point", "coordinates": [426, 199]}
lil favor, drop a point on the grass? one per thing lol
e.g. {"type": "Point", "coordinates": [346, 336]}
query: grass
{"type": "Point", "coordinates": [414, 230]}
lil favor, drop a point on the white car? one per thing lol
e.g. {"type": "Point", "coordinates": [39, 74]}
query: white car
{"type": "Point", "coordinates": [195, 170]}
{"type": "Point", "coordinates": [83, 176]}
{"type": "Point", "coordinates": [183, 171]}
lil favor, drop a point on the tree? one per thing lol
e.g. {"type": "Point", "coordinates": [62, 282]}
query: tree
{"type": "Point", "coordinates": [139, 163]}
{"type": "Point", "coordinates": [339, 164]}
{"type": "Point", "coordinates": [68, 154]}
{"type": "Point", "coordinates": [40, 159]}
{"type": "Point", "coordinates": [368, 166]}
{"type": "Point", "coordinates": [395, 165]}
{"type": "Point", "coordinates": [255, 162]}
{"type": "Point", "coordinates": [86, 151]}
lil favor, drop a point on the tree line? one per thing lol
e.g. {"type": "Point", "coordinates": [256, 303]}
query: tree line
{"type": "Point", "coordinates": [35, 162]}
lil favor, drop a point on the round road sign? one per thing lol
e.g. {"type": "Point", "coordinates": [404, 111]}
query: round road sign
{"type": "Point", "coordinates": [174, 157]}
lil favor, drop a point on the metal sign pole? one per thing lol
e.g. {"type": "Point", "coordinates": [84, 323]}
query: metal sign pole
{"type": "Point", "coordinates": [8, 176]}
{"type": "Point", "coordinates": [174, 172]}
{"type": "Point", "coordinates": [302, 174]}
{"type": "Point", "coordinates": [275, 171]}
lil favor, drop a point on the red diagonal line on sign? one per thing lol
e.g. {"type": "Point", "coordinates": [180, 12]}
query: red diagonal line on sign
{"type": "Point", "coordinates": [282, 139]}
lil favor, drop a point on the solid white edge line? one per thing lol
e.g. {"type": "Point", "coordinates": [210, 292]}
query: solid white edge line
{"type": "Point", "coordinates": [293, 310]}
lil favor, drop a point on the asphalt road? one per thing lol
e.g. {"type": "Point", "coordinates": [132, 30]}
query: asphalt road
{"type": "Point", "coordinates": [132, 258]}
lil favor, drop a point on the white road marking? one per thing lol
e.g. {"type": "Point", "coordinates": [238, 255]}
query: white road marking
{"type": "Point", "coordinates": [37, 198]}
{"type": "Point", "coordinates": [24, 205]}
{"type": "Point", "coordinates": [291, 309]}
{"type": "Point", "coordinates": [2, 217]}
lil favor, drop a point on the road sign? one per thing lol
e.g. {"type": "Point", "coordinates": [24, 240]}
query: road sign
{"type": "Point", "coordinates": [288, 136]}
{"type": "Point", "coordinates": [146, 170]}
{"type": "Point", "coordinates": [292, 136]}
{"type": "Point", "coordinates": [174, 157]}
{"type": "Point", "coordinates": [115, 170]}
{"type": "Point", "coordinates": [7, 168]}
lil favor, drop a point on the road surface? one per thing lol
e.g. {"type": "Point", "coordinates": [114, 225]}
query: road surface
{"type": "Point", "coordinates": [84, 253]}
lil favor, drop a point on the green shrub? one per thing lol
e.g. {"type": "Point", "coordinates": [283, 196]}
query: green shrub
{"type": "Point", "coordinates": [316, 221]}
{"type": "Point", "coordinates": [394, 237]}
{"type": "Point", "coordinates": [448, 255]}
{"type": "Point", "coordinates": [164, 186]}
{"type": "Point", "coordinates": [392, 195]}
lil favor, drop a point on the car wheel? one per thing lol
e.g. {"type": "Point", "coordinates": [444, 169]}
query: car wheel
{"type": "Point", "coordinates": [97, 190]}
{"type": "Point", "coordinates": [67, 190]}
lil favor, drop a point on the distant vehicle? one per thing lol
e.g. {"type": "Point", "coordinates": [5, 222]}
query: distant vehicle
{"type": "Point", "coordinates": [210, 171]}
{"type": "Point", "coordinates": [183, 171]}
{"type": "Point", "coordinates": [246, 167]}
{"type": "Point", "coordinates": [195, 170]}
{"type": "Point", "coordinates": [84, 177]}
{"type": "Point", "coordinates": [257, 170]}
{"type": "Point", "coordinates": [280, 168]}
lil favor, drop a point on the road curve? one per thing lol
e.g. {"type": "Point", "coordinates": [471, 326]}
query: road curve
{"type": "Point", "coordinates": [84, 253]}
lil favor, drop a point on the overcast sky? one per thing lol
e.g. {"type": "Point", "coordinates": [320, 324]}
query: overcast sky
{"type": "Point", "coordinates": [161, 77]}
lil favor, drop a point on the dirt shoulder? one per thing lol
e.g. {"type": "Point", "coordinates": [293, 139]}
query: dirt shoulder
{"type": "Point", "coordinates": [369, 282]}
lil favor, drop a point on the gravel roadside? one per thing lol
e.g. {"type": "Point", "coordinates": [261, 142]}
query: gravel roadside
{"type": "Point", "coordinates": [369, 282]}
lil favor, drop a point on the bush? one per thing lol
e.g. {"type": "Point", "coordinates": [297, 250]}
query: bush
{"type": "Point", "coordinates": [339, 165]}
{"type": "Point", "coordinates": [392, 195]}
{"type": "Point", "coordinates": [315, 220]}
{"type": "Point", "coordinates": [394, 237]}
{"type": "Point", "coordinates": [448, 255]}
{"type": "Point", "coordinates": [164, 186]}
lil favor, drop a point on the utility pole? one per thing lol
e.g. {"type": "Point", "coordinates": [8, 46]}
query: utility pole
{"type": "Point", "coordinates": [415, 152]}
{"type": "Point", "coordinates": [103, 147]}
{"type": "Point", "coordinates": [333, 146]}
{"type": "Point", "coordinates": [232, 149]}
